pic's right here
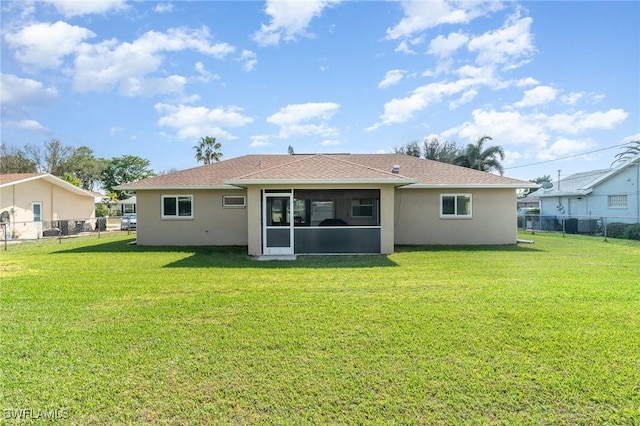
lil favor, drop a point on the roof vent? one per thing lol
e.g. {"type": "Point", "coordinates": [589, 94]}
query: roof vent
{"type": "Point", "coordinates": [396, 168]}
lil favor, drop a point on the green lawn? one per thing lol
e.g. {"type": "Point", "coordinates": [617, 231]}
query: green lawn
{"type": "Point", "coordinates": [101, 332]}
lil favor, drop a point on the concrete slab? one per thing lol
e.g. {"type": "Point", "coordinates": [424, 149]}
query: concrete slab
{"type": "Point", "coordinates": [277, 257]}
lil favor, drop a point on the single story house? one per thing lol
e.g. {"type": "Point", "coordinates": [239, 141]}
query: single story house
{"type": "Point", "coordinates": [608, 194]}
{"type": "Point", "coordinates": [37, 201]}
{"type": "Point", "coordinates": [126, 206]}
{"type": "Point", "coordinates": [326, 203]}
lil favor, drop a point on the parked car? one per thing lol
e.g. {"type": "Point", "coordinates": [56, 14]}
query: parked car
{"type": "Point", "coordinates": [128, 221]}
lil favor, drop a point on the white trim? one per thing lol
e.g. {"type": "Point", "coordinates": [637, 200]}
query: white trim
{"type": "Point", "coordinates": [276, 250]}
{"type": "Point", "coordinates": [176, 216]}
{"type": "Point", "coordinates": [471, 186]}
{"type": "Point", "coordinates": [53, 180]}
{"type": "Point", "coordinates": [456, 215]}
{"type": "Point", "coordinates": [396, 182]}
{"type": "Point", "coordinates": [172, 187]}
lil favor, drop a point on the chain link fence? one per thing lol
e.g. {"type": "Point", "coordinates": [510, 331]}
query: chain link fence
{"type": "Point", "coordinates": [609, 226]}
{"type": "Point", "coordinates": [63, 228]}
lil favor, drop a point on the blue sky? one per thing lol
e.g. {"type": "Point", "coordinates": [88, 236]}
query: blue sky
{"type": "Point", "coordinates": [546, 80]}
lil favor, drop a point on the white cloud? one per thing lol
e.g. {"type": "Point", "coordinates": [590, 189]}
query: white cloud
{"type": "Point", "coordinates": [44, 45]}
{"type": "Point", "coordinates": [391, 78]}
{"type": "Point", "coordinates": [563, 147]}
{"type": "Point", "coordinates": [191, 122]}
{"type": "Point", "coordinates": [505, 45]}
{"type": "Point", "coordinates": [250, 60]}
{"type": "Point", "coordinates": [294, 119]}
{"type": "Point", "coordinates": [20, 92]}
{"type": "Point", "coordinates": [572, 98]}
{"type": "Point", "coordinates": [401, 110]}
{"type": "Point", "coordinates": [536, 130]}
{"type": "Point", "coordinates": [259, 141]}
{"type": "Point", "coordinates": [423, 15]}
{"type": "Point", "coordinates": [289, 19]}
{"type": "Point", "coordinates": [445, 46]}
{"type": "Point", "coordinates": [330, 142]}
{"type": "Point", "coordinates": [31, 125]}
{"type": "Point", "coordinates": [466, 97]}
{"type": "Point", "coordinates": [529, 81]}
{"type": "Point", "coordinates": [205, 76]}
{"type": "Point", "coordinates": [70, 8]}
{"type": "Point", "coordinates": [164, 8]}
{"type": "Point", "coordinates": [537, 96]}
{"type": "Point", "coordinates": [103, 66]}
{"type": "Point", "coordinates": [133, 86]}
{"type": "Point", "coordinates": [579, 121]}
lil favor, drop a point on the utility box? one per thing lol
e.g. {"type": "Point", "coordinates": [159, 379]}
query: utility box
{"type": "Point", "coordinates": [587, 226]}
{"type": "Point", "coordinates": [571, 226]}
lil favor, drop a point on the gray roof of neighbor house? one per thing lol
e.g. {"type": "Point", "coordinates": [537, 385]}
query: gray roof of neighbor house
{"type": "Point", "coordinates": [584, 182]}
{"type": "Point", "coordinates": [326, 169]}
{"type": "Point", "coordinates": [18, 178]}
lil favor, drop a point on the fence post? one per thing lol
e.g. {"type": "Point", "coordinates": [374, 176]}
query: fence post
{"type": "Point", "coordinates": [605, 228]}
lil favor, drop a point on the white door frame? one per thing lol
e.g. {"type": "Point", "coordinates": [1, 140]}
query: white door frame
{"type": "Point", "coordinates": [266, 250]}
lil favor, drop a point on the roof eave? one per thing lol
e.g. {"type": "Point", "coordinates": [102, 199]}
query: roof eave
{"type": "Point", "coordinates": [472, 185]}
{"type": "Point", "coordinates": [246, 182]}
{"type": "Point", "coordinates": [171, 187]}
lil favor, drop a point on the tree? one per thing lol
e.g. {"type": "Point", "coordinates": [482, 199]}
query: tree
{"type": "Point", "coordinates": [15, 161]}
{"type": "Point", "coordinates": [542, 179]}
{"type": "Point", "coordinates": [411, 148]}
{"type": "Point", "coordinates": [630, 150]}
{"type": "Point", "coordinates": [124, 169]}
{"type": "Point", "coordinates": [56, 157]}
{"type": "Point", "coordinates": [208, 150]}
{"type": "Point", "coordinates": [72, 179]}
{"type": "Point", "coordinates": [290, 150]}
{"type": "Point", "coordinates": [83, 165]}
{"type": "Point", "coordinates": [444, 152]}
{"type": "Point", "coordinates": [475, 156]}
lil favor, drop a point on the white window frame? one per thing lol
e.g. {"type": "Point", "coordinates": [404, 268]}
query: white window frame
{"type": "Point", "coordinates": [234, 206]}
{"type": "Point", "coordinates": [177, 198]}
{"type": "Point", "coordinates": [455, 215]}
{"type": "Point", "coordinates": [355, 202]}
{"type": "Point", "coordinates": [33, 210]}
{"type": "Point", "coordinates": [617, 202]}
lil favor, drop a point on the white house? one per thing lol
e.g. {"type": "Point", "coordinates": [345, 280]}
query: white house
{"type": "Point", "coordinates": [608, 195]}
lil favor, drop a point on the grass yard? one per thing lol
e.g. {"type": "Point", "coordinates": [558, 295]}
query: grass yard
{"type": "Point", "coordinates": [95, 331]}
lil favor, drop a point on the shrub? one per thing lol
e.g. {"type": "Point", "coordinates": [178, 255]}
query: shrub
{"type": "Point", "coordinates": [616, 229]}
{"type": "Point", "coordinates": [632, 232]}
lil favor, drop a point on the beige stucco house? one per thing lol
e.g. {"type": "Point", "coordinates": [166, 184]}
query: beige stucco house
{"type": "Point", "coordinates": [37, 201]}
{"type": "Point", "coordinates": [326, 203]}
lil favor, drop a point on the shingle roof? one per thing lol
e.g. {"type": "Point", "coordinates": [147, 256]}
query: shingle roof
{"type": "Point", "coordinates": [328, 168]}
{"type": "Point", "coordinates": [16, 177]}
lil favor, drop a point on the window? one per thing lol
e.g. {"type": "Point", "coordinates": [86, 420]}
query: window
{"type": "Point", "coordinates": [177, 207]}
{"type": "Point", "coordinates": [37, 212]}
{"type": "Point", "coordinates": [455, 205]}
{"type": "Point", "coordinates": [617, 201]}
{"type": "Point", "coordinates": [362, 207]}
{"type": "Point", "coordinates": [234, 201]}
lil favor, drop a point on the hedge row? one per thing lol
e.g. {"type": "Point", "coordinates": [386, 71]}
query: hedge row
{"type": "Point", "coordinates": [629, 231]}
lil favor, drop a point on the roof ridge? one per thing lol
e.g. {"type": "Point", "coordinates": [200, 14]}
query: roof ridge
{"type": "Point", "coordinates": [276, 166]}
{"type": "Point", "coordinates": [365, 166]}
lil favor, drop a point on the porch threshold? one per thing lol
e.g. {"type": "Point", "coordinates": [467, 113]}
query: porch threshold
{"type": "Point", "coordinates": [265, 257]}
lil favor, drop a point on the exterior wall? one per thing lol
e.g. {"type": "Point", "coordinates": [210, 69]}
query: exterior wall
{"type": "Point", "coordinates": [57, 204]}
{"type": "Point", "coordinates": [211, 225]}
{"type": "Point", "coordinates": [418, 222]}
{"type": "Point", "coordinates": [625, 183]}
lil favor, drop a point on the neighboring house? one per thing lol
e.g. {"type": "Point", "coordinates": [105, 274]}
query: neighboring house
{"type": "Point", "coordinates": [126, 206]}
{"type": "Point", "coordinates": [326, 203]}
{"type": "Point", "coordinates": [609, 194]}
{"type": "Point", "coordinates": [37, 201]}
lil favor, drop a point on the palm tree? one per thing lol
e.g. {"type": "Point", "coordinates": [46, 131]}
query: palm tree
{"type": "Point", "coordinates": [208, 150]}
{"type": "Point", "coordinates": [475, 156]}
{"type": "Point", "coordinates": [631, 150]}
